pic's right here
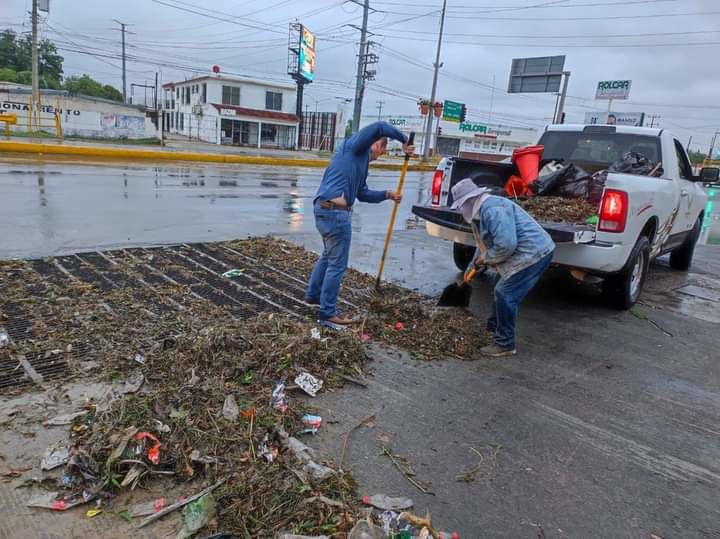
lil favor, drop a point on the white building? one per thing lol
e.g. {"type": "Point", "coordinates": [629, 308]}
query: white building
{"type": "Point", "coordinates": [226, 110]}
{"type": "Point", "coordinates": [79, 115]}
{"type": "Point", "coordinates": [468, 139]}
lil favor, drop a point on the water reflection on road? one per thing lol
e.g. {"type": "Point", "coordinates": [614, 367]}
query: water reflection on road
{"type": "Point", "coordinates": [56, 207]}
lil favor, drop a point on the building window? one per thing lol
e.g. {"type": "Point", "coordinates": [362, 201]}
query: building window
{"type": "Point", "coordinates": [231, 95]}
{"type": "Point", "coordinates": [182, 122]}
{"type": "Point", "coordinates": [273, 100]}
{"type": "Point", "coordinates": [277, 136]}
{"type": "Point", "coordinates": [187, 96]}
{"type": "Point", "coordinates": [203, 99]}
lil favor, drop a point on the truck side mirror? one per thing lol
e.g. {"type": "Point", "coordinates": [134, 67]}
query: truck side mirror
{"type": "Point", "coordinates": [709, 174]}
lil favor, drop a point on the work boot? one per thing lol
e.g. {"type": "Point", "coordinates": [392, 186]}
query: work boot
{"type": "Point", "coordinates": [312, 301]}
{"type": "Point", "coordinates": [339, 320]}
{"type": "Point", "coordinates": [493, 350]}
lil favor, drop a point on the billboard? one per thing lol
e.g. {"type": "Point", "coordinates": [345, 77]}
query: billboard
{"type": "Point", "coordinates": [635, 119]}
{"type": "Point", "coordinates": [536, 75]}
{"type": "Point", "coordinates": [613, 89]}
{"type": "Point", "coordinates": [306, 56]}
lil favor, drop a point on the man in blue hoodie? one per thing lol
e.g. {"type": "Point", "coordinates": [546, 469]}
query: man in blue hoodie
{"type": "Point", "coordinates": [344, 181]}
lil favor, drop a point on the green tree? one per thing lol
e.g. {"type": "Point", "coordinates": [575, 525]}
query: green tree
{"type": "Point", "coordinates": [86, 85]}
{"type": "Point", "coordinates": [696, 158]}
{"type": "Point", "coordinates": [16, 55]}
{"type": "Point", "coordinates": [8, 75]}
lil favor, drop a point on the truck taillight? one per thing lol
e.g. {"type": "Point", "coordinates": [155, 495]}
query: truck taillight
{"type": "Point", "coordinates": [613, 211]}
{"type": "Point", "coordinates": [437, 187]}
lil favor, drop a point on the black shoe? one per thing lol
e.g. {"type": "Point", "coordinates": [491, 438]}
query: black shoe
{"type": "Point", "coordinates": [310, 301]}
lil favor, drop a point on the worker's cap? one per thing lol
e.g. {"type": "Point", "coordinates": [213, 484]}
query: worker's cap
{"type": "Point", "coordinates": [464, 191]}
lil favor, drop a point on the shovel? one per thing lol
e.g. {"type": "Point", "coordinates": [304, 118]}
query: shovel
{"type": "Point", "coordinates": [459, 294]}
{"type": "Point", "coordinates": [391, 224]}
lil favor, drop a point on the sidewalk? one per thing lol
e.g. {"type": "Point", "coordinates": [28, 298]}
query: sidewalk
{"type": "Point", "coordinates": [179, 149]}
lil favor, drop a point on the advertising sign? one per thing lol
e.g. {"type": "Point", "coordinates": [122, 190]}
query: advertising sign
{"type": "Point", "coordinates": [452, 111]}
{"type": "Point", "coordinates": [613, 89]}
{"type": "Point", "coordinates": [306, 59]}
{"type": "Point", "coordinates": [536, 75]}
{"type": "Point", "coordinates": [634, 119]}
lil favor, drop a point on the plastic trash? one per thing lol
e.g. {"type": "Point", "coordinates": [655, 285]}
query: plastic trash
{"type": "Point", "coordinates": [233, 273]}
{"type": "Point", "coordinates": [319, 472]}
{"type": "Point", "coordinates": [4, 337]}
{"type": "Point", "coordinates": [153, 453]}
{"type": "Point", "coordinates": [545, 184]}
{"type": "Point", "coordinates": [134, 382]}
{"type": "Point", "coordinates": [65, 419]}
{"type": "Point", "coordinates": [293, 536]}
{"type": "Point", "coordinates": [147, 508]}
{"type": "Point", "coordinates": [399, 326]}
{"type": "Point", "coordinates": [387, 503]}
{"type": "Point", "coordinates": [54, 457]}
{"type": "Point", "coordinates": [278, 400]}
{"type": "Point", "coordinates": [196, 515]}
{"type": "Point", "coordinates": [577, 183]}
{"type": "Point", "coordinates": [308, 383]}
{"type": "Point", "coordinates": [365, 529]}
{"type": "Point", "coordinates": [91, 513]}
{"type": "Point", "coordinates": [315, 334]}
{"type": "Point", "coordinates": [635, 163]}
{"type": "Point", "coordinates": [365, 337]}
{"type": "Point", "coordinates": [592, 220]}
{"type": "Point", "coordinates": [230, 410]}
{"type": "Point", "coordinates": [312, 424]}
{"type": "Point", "coordinates": [266, 451]}
{"type": "Point", "coordinates": [56, 502]}
{"type": "Point", "coordinates": [140, 357]}
{"type": "Point", "coordinates": [206, 459]}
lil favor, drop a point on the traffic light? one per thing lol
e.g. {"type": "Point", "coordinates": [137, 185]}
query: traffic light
{"type": "Point", "coordinates": [463, 113]}
{"type": "Point", "coordinates": [439, 131]}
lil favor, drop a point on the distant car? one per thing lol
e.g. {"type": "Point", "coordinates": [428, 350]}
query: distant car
{"type": "Point", "coordinates": [640, 217]}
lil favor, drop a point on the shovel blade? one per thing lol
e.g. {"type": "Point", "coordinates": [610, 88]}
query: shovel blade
{"type": "Point", "coordinates": [455, 295]}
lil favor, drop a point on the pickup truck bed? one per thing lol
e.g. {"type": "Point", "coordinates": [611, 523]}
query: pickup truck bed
{"type": "Point", "coordinates": [452, 219]}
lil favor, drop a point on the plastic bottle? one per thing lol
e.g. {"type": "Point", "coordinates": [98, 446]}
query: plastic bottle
{"type": "Point", "coordinates": [366, 530]}
{"type": "Point", "coordinates": [387, 503]}
{"type": "Point", "coordinates": [447, 535]}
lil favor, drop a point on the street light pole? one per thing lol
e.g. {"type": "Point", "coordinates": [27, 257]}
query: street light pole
{"type": "Point", "coordinates": [35, 82]}
{"type": "Point", "coordinates": [360, 76]}
{"type": "Point", "coordinates": [428, 127]}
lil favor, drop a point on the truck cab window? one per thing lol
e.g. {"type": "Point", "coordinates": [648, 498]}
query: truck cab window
{"type": "Point", "coordinates": [684, 168]}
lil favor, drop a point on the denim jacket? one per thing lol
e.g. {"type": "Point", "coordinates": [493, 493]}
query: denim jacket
{"type": "Point", "coordinates": [514, 241]}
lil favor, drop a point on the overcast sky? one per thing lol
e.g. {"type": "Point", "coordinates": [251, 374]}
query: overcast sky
{"type": "Point", "coordinates": [669, 48]}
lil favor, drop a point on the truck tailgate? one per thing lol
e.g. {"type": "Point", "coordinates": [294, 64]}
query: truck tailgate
{"type": "Point", "coordinates": [559, 232]}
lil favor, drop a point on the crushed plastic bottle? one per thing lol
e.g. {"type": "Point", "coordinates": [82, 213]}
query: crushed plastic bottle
{"type": "Point", "coordinates": [387, 503]}
{"type": "Point", "coordinates": [366, 530]}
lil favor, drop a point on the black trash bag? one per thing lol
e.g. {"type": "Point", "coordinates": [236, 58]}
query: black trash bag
{"type": "Point", "coordinates": [545, 185]}
{"type": "Point", "coordinates": [633, 163]}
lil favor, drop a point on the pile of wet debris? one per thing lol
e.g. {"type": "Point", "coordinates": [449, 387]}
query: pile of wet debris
{"type": "Point", "coordinates": [211, 402]}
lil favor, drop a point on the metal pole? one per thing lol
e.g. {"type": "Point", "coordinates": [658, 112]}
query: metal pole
{"type": "Point", "coordinates": [360, 75]}
{"type": "Point", "coordinates": [561, 105]}
{"type": "Point", "coordinates": [492, 99]}
{"type": "Point", "coordinates": [428, 128]}
{"type": "Point", "coordinates": [380, 103]}
{"type": "Point", "coordinates": [35, 82]}
{"type": "Point", "coordinates": [124, 78]}
{"type": "Point", "coordinates": [712, 145]}
{"type": "Point", "coordinates": [156, 91]}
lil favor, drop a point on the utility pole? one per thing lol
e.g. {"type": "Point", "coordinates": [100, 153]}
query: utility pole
{"type": "Point", "coordinates": [380, 103]}
{"type": "Point", "coordinates": [360, 75]}
{"type": "Point", "coordinates": [428, 127]}
{"type": "Point", "coordinates": [35, 82]}
{"type": "Point", "coordinates": [124, 78]}
{"type": "Point", "coordinates": [712, 145]}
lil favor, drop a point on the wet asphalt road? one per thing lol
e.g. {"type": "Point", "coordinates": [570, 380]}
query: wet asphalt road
{"type": "Point", "coordinates": [605, 423]}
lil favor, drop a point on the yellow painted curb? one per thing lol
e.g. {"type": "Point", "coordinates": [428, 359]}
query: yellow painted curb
{"type": "Point", "coordinates": [156, 155]}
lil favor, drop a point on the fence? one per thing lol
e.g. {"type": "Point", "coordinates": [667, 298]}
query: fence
{"type": "Point", "coordinates": [318, 131]}
{"type": "Point", "coordinates": [46, 119]}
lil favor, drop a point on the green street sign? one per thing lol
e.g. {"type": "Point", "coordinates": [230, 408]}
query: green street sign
{"type": "Point", "coordinates": [452, 111]}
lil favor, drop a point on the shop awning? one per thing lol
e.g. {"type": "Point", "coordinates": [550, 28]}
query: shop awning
{"type": "Point", "coordinates": [257, 113]}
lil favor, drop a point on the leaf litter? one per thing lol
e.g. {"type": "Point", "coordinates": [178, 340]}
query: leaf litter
{"type": "Point", "coordinates": [209, 375]}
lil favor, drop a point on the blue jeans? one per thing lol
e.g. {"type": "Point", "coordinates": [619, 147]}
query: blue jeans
{"type": "Point", "coordinates": [506, 300]}
{"type": "Point", "coordinates": [335, 227]}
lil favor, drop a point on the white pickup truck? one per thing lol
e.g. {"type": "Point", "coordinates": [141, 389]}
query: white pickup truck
{"type": "Point", "coordinates": [640, 217]}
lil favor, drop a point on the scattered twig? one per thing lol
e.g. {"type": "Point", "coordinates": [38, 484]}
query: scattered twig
{"type": "Point", "coordinates": [323, 499]}
{"type": "Point", "coordinates": [406, 471]}
{"type": "Point", "coordinates": [420, 522]}
{"type": "Point", "coordinates": [178, 505]}
{"type": "Point", "coordinates": [353, 380]}
{"type": "Point", "coordinates": [364, 421]}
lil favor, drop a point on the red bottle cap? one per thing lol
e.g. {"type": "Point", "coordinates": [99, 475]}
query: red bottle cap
{"type": "Point", "coordinates": [366, 500]}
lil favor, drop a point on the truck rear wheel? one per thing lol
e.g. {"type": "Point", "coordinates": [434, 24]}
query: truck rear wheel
{"type": "Point", "coordinates": [622, 290]}
{"type": "Point", "coordinates": [462, 255]}
{"type": "Point", "coordinates": [681, 258]}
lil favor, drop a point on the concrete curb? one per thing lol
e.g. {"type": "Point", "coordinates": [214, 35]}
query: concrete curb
{"type": "Point", "coordinates": [159, 155]}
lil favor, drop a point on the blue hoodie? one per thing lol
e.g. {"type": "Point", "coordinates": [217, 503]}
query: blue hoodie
{"type": "Point", "coordinates": [348, 170]}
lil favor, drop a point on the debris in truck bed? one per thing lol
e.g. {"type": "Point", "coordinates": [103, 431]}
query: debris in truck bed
{"type": "Point", "coordinates": [206, 340]}
{"type": "Point", "coordinates": [558, 209]}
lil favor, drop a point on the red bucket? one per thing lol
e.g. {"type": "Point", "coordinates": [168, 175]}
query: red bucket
{"type": "Point", "coordinates": [527, 161]}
